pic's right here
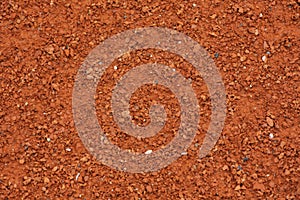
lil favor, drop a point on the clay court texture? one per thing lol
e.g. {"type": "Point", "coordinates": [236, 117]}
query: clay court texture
{"type": "Point", "coordinates": [253, 45]}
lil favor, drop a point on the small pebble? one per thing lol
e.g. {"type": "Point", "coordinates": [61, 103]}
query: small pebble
{"type": "Point", "coordinates": [245, 159]}
{"type": "Point", "coordinates": [239, 168]}
{"type": "Point", "coordinates": [271, 135]}
{"type": "Point", "coordinates": [77, 176]}
{"type": "Point", "coordinates": [48, 140]}
{"type": "Point", "coordinates": [264, 58]}
{"type": "Point", "coordinates": [149, 188]}
{"type": "Point", "coordinates": [225, 167]}
{"type": "Point", "coordinates": [148, 152]}
{"type": "Point", "coordinates": [184, 153]}
{"type": "Point", "coordinates": [115, 67]}
{"type": "Point", "coordinates": [243, 58]}
{"type": "Point", "coordinates": [216, 55]}
{"type": "Point", "coordinates": [270, 121]}
{"type": "Point", "coordinates": [68, 149]}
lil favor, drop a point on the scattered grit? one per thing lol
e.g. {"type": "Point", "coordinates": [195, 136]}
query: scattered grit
{"type": "Point", "coordinates": [255, 45]}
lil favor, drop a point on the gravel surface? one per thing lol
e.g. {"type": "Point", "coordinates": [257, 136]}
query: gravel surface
{"type": "Point", "coordinates": [255, 46]}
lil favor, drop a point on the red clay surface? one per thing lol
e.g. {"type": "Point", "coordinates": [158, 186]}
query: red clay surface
{"type": "Point", "coordinates": [255, 46]}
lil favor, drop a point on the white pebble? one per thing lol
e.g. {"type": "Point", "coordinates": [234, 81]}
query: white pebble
{"type": "Point", "coordinates": [184, 153]}
{"type": "Point", "coordinates": [148, 152]}
{"type": "Point", "coordinates": [115, 67]}
{"type": "Point", "coordinates": [77, 176]}
{"type": "Point", "coordinates": [271, 135]}
{"type": "Point", "coordinates": [264, 58]}
{"type": "Point", "coordinates": [68, 149]}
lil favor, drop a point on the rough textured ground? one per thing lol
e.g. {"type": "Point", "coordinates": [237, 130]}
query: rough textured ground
{"type": "Point", "coordinates": [255, 45]}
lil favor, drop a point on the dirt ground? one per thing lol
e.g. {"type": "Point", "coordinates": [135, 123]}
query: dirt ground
{"type": "Point", "coordinates": [255, 46]}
